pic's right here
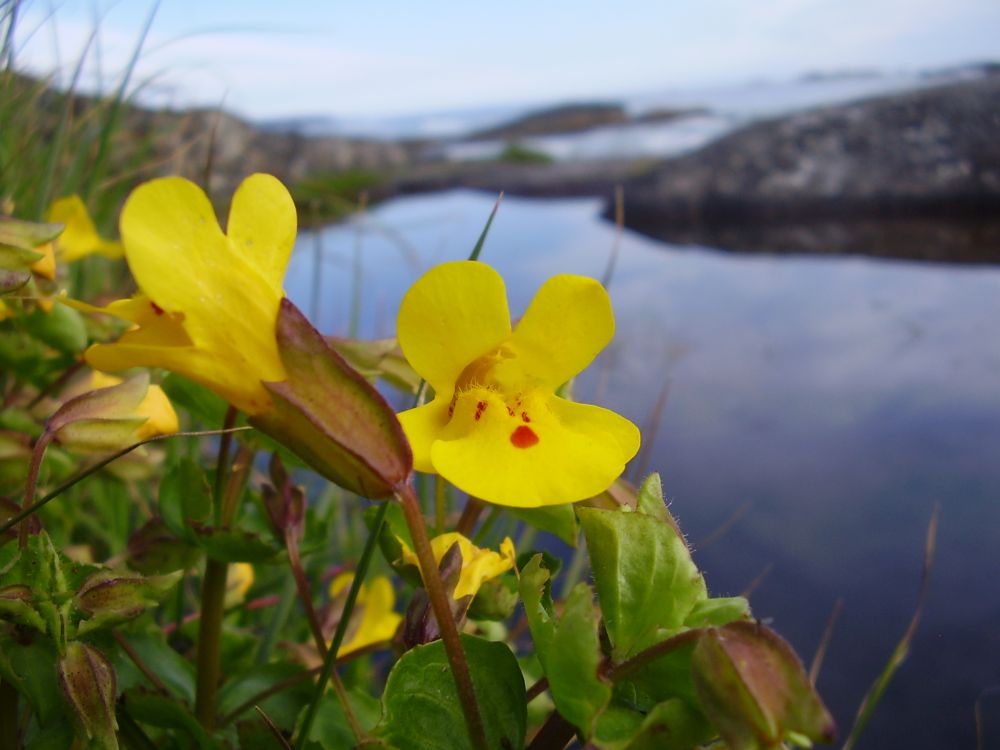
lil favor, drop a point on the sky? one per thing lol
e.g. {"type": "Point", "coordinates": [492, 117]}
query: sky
{"type": "Point", "coordinates": [267, 59]}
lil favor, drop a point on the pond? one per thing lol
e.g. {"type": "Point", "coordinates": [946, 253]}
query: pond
{"type": "Point", "coordinates": [816, 409]}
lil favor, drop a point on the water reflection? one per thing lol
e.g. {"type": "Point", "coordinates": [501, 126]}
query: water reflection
{"type": "Point", "coordinates": [839, 397]}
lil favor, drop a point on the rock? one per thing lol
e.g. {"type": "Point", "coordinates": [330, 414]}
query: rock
{"type": "Point", "coordinates": [931, 153]}
{"type": "Point", "coordinates": [189, 143]}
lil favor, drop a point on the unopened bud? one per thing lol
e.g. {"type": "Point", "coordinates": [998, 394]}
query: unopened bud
{"type": "Point", "coordinates": [753, 689]}
{"type": "Point", "coordinates": [107, 598]}
{"type": "Point", "coordinates": [88, 682]}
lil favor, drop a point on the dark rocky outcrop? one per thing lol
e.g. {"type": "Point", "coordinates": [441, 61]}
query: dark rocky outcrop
{"type": "Point", "coordinates": [912, 157]}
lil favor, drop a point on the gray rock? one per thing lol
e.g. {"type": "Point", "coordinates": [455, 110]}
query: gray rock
{"type": "Point", "coordinates": [933, 152]}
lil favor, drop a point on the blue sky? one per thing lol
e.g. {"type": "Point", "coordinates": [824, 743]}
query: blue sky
{"type": "Point", "coordinates": [296, 57]}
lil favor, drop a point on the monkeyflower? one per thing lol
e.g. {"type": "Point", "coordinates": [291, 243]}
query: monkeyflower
{"type": "Point", "coordinates": [208, 301]}
{"type": "Point", "coordinates": [496, 428]}
{"type": "Point", "coordinates": [79, 237]}
{"type": "Point", "coordinates": [478, 565]}
{"type": "Point", "coordinates": [374, 619]}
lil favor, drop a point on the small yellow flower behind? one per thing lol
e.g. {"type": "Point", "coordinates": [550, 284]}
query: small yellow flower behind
{"type": "Point", "coordinates": [478, 565]}
{"type": "Point", "coordinates": [239, 579]}
{"type": "Point", "coordinates": [161, 419]}
{"type": "Point", "coordinates": [496, 428]}
{"type": "Point", "coordinates": [374, 619]}
{"type": "Point", "coordinates": [80, 238]}
{"type": "Point", "coordinates": [208, 301]}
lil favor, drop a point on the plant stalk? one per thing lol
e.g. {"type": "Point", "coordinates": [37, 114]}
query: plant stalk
{"type": "Point", "coordinates": [442, 612]}
{"type": "Point", "coordinates": [213, 595]}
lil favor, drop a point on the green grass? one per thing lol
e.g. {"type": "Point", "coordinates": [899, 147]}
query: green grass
{"type": "Point", "coordinates": [514, 153]}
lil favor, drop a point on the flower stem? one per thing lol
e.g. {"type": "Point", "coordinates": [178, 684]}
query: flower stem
{"type": "Point", "coordinates": [213, 595]}
{"type": "Point", "coordinates": [37, 454]}
{"type": "Point", "coordinates": [8, 716]}
{"type": "Point", "coordinates": [330, 660]}
{"type": "Point", "coordinates": [442, 612]}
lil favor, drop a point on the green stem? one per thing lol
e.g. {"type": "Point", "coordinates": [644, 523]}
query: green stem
{"type": "Point", "coordinates": [213, 594]}
{"type": "Point", "coordinates": [25, 512]}
{"type": "Point", "coordinates": [442, 613]}
{"type": "Point", "coordinates": [8, 716]}
{"type": "Point", "coordinates": [338, 637]}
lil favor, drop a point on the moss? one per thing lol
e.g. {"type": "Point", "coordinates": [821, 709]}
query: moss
{"type": "Point", "coordinates": [332, 196]}
{"type": "Point", "coordinates": [515, 153]}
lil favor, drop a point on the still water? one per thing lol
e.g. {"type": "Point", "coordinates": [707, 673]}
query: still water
{"type": "Point", "coordinates": [816, 407]}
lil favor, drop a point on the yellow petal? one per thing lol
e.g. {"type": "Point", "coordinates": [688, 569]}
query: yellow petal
{"type": "Point", "coordinates": [161, 419]}
{"type": "Point", "coordinates": [566, 452]}
{"type": "Point", "coordinates": [239, 579]}
{"type": "Point", "coordinates": [422, 426]}
{"type": "Point", "coordinates": [262, 224]}
{"type": "Point", "coordinates": [80, 237]}
{"type": "Point", "coordinates": [227, 298]}
{"type": "Point", "coordinates": [374, 619]}
{"type": "Point", "coordinates": [567, 324]}
{"type": "Point", "coordinates": [478, 564]}
{"type": "Point", "coordinates": [453, 314]}
{"type": "Point", "coordinates": [46, 265]}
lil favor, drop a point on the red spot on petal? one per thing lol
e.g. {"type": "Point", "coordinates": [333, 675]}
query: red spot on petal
{"type": "Point", "coordinates": [156, 308]}
{"type": "Point", "coordinates": [510, 411]}
{"type": "Point", "coordinates": [523, 437]}
{"type": "Point", "coordinates": [480, 408]}
{"type": "Point", "coordinates": [524, 417]}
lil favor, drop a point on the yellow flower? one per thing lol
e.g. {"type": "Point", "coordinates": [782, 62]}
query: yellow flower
{"type": "Point", "coordinates": [239, 579]}
{"type": "Point", "coordinates": [208, 301]}
{"type": "Point", "coordinates": [161, 419]}
{"type": "Point", "coordinates": [374, 619]}
{"type": "Point", "coordinates": [478, 565]}
{"type": "Point", "coordinates": [495, 428]}
{"type": "Point", "coordinates": [80, 237]}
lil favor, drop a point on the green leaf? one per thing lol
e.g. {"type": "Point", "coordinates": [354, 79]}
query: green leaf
{"type": "Point", "coordinates": [174, 671]}
{"type": "Point", "coordinates": [148, 707]}
{"type": "Point", "coordinates": [282, 708]}
{"type": "Point", "coordinates": [185, 495]}
{"type": "Point", "coordinates": [331, 731]}
{"type": "Point", "coordinates": [31, 668]}
{"type": "Point", "coordinates": [559, 520]}
{"type": "Point", "coordinates": [331, 416]}
{"type": "Point", "coordinates": [568, 647]}
{"type": "Point", "coordinates": [671, 725]}
{"type": "Point", "coordinates": [421, 709]}
{"type": "Point", "coordinates": [718, 611]}
{"type": "Point", "coordinates": [232, 544]}
{"type": "Point", "coordinates": [644, 574]}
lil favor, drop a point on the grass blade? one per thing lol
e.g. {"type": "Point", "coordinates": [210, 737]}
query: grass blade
{"type": "Point", "coordinates": [899, 653]}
